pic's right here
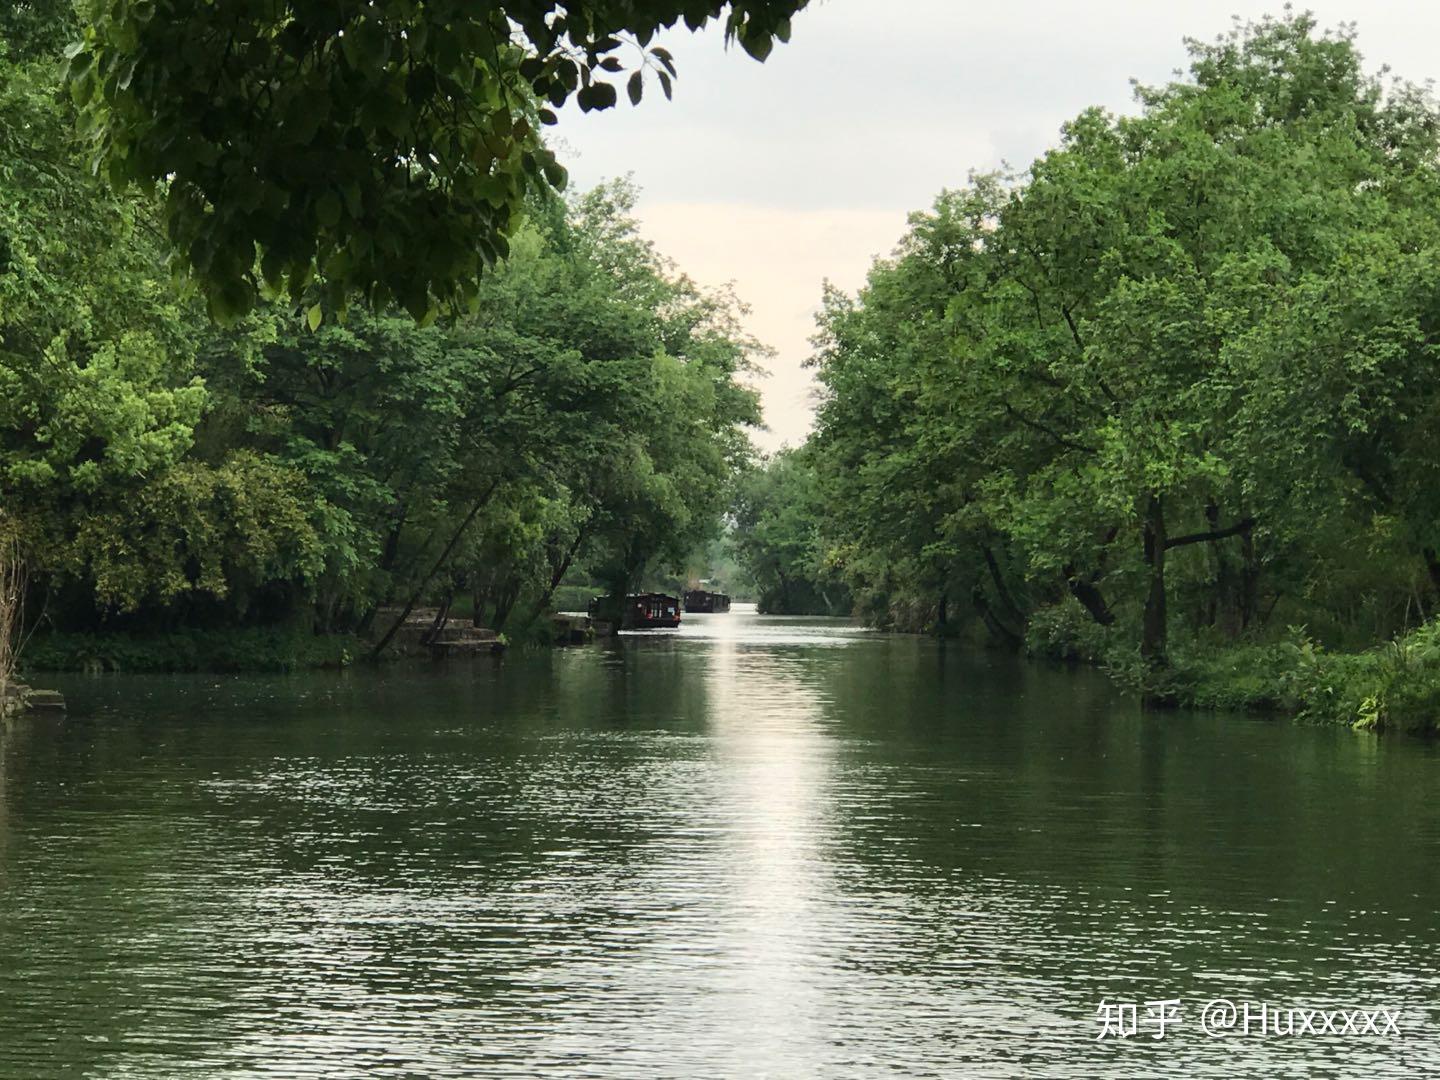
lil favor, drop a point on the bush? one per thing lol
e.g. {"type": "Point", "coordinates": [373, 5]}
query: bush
{"type": "Point", "coordinates": [1066, 631]}
{"type": "Point", "coordinates": [1392, 687]}
{"type": "Point", "coordinates": [1395, 686]}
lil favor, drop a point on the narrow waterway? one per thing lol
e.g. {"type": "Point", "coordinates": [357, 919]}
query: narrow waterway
{"type": "Point", "coordinates": [753, 847]}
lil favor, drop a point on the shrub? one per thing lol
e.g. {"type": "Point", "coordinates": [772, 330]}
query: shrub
{"type": "Point", "coordinates": [1066, 631]}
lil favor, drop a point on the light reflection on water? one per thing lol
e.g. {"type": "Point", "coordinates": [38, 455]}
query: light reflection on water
{"type": "Point", "coordinates": [749, 847]}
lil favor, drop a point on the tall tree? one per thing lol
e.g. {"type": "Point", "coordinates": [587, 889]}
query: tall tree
{"type": "Point", "coordinates": [1194, 342]}
{"type": "Point", "coordinates": [383, 148]}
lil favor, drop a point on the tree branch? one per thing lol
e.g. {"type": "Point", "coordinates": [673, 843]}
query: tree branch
{"type": "Point", "coordinates": [1069, 444]}
{"type": "Point", "coordinates": [1243, 525]}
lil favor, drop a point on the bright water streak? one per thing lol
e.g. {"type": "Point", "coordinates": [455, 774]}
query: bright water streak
{"type": "Point", "coordinates": [755, 847]}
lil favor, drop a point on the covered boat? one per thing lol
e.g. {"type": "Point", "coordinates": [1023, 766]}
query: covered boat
{"type": "Point", "coordinates": [700, 602]}
{"type": "Point", "coordinates": [647, 610]}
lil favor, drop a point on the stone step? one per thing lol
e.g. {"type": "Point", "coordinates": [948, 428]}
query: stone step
{"type": "Point", "coordinates": [45, 701]}
{"type": "Point", "coordinates": [474, 647]}
{"type": "Point", "coordinates": [17, 698]}
{"type": "Point", "coordinates": [456, 634]}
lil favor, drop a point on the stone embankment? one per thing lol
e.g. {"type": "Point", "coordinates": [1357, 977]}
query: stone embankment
{"type": "Point", "coordinates": [17, 698]}
{"type": "Point", "coordinates": [418, 634]}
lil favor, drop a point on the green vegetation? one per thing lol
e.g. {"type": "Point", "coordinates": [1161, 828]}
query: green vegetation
{"type": "Point", "coordinates": [385, 150]}
{"type": "Point", "coordinates": [187, 495]}
{"type": "Point", "coordinates": [777, 540]}
{"type": "Point", "coordinates": [243, 649]}
{"type": "Point", "coordinates": [1165, 401]}
{"type": "Point", "coordinates": [1161, 397]}
{"type": "Point", "coordinates": [1394, 686]}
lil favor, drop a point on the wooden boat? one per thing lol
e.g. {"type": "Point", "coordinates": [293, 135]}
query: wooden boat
{"type": "Point", "coordinates": [700, 602]}
{"type": "Point", "coordinates": [640, 611]}
{"type": "Point", "coordinates": [644, 611]}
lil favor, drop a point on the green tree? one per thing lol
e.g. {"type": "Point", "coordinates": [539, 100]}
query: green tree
{"type": "Point", "coordinates": [1189, 349]}
{"type": "Point", "coordinates": [777, 538]}
{"type": "Point", "coordinates": [36, 29]}
{"type": "Point", "coordinates": [98, 390]}
{"type": "Point", "coordinates": [383, 149]}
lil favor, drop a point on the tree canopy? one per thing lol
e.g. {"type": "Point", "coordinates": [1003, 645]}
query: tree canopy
{"type": "Point", "coordinates": [379, 149]}
{"type": "Point", "coordinates": [586, 416]}
{"type": "Point", "coordinates": [1187, 356]}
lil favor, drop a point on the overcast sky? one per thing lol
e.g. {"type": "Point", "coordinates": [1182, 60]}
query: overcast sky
{"type": "Point", "coordinates": [779, 176]}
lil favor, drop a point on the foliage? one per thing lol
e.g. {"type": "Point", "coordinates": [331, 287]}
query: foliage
{"type": "Point", "coordinates": [1175, 380]}
{"type": "Point", "coordinates": [222, 530]}
{"type": "Point", "coordinates": [777, 540]}
{"type": "Point", "coordinates": [97, 386]}
{"type": "Point", "coordinates": [1394, 686]}
{"type": "Point", "coordinates": [383, 149]}
{"type": "Point", "coordinates": [171, 477]}
{"type": "Point", "coordinates": [31, 29]}
{"type": "Point", "coordinates": [1066, 631]}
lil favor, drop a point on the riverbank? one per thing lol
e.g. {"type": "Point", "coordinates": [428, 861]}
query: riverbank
{"type": "Point", "coordinates": [1393, 686]}
{"type": "Point", "coordinates": [251, 650]}
{"type": "Point", "coordinates": [248, 650]}
{"type": "Point", "coordinates": [1390, 687]}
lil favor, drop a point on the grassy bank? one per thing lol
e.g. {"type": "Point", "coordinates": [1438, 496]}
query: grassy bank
{"type": "Point", "coordinates": [1394, 686]}
{"type": "Point", "coordinates": [192, 650]}
{"type": "Point", "coordinates": [1390, 687]}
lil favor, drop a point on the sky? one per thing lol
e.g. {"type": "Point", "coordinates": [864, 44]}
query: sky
{"type": "Point", "coordinates": [777, 177]}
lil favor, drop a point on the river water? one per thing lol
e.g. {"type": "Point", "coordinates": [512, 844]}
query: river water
{"type": "Point", "coordinates": [755, 847]}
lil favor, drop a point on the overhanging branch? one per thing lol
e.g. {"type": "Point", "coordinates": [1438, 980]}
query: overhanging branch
{"type": "Point", "coordinates": [1243, 525]}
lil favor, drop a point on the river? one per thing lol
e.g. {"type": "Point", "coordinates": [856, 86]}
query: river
{"type": "Point", "coordinates": [755, 847]}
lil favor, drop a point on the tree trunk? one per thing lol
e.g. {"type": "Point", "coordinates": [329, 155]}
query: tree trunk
{"type": "Point", "coordinates": [419, 591]}
{"type": "Point", "coordinates": [1432, 565]}
{"type": "Point", "coordinates": [556, 577]}
{"type": "Point", "coordinates": [1249, 580]}
{"type": "Point", "coordinates": [391, 554]}
{"type": "Point", "coordinates": [504, 604]}
{"type": "Point", "coordinates": [442, 617]}
{"type": "Point", "coordinates": [1089, 595]}
{"type": "Point", "coordinates": [1007, 598]}
{"type": "Point", "coordinates": [1153, 639]}
{"type": "Point", "coordinates": [1221, 600]}
{"type": "Point", "coordinates": [998, 630]}
{"type": "Point", "coordinates": [12, 609]}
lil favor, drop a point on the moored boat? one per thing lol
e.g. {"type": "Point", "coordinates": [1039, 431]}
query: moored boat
{"type": "Point", "coordinates": [644, 611]}
{"type": "Point", "coordinates": [639, 611]}
{"type": "Point", "coordinates": [701, 602]}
